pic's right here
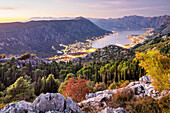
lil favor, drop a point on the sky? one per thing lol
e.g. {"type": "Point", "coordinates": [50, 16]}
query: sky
{"type": "Point", "coordinates": [17, 10]}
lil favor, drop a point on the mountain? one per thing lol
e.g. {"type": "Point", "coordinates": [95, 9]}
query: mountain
{"type": "Point", "coordinates": [164, 28]}
{"type": "Point", "coordinates": [39, 36]}
{"type": "Point", "coordinates": [161, 43]}
{"type": "Point", "coordinates": [131, 22]}
{"type": "Point", "coordinates": [48, 18]}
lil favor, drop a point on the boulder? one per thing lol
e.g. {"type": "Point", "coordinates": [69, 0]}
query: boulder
{"type": "Point", "coordinates": [45, 103]}
{"type": "Point", "coordinates": [49, 101]}
{"type": "Point", "coordinates": [18, 107]}
{"type": "Point", "coordinates": [145, 79]}
{"type": "Point", "coordinates": [112, 110]}
{"type": "Point", "coordinates": [72, 107]}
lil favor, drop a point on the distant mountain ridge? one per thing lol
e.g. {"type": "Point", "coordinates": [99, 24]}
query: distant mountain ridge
{"type": "Point", "coordinates": [124, 23]}
{"type": "Point", "coordinates": [164, 28]}
{"type": "Point", "coordinates": [39, 36]}
{"type": "Point", "coordinates": [131, 22]}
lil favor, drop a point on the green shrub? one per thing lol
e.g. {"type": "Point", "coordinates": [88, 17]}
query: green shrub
{"type": "Point", "coordinates": [99, 87]}
{"type": "Point", "coordinates": [24, 56]}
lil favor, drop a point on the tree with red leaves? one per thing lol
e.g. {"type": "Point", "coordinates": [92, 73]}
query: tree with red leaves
{"type": "Point", "coordinates": [76, 88]}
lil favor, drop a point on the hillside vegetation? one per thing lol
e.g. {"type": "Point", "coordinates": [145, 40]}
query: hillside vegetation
{"type": "Point", "coordinates": [39, 36]}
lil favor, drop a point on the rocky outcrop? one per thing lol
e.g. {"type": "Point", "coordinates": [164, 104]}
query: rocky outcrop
{"type": "Point", "coordinates": [56, 103]}
{"type": "Point", "coordinates": [140, 88]}
{"type": "Point", "coordinates": [112, 110]}
{"type": "Point", "coordinates": [45, 103]}
{"type": "Point", "coordinates": [18, 107]}
{"type": "Point", "coordinates": [33, 60]}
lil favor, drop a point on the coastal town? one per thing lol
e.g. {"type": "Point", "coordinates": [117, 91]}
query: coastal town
{"type": "Point", "coordinates": [136, 39]}
{"type": "Point", "coordinates": [81, 49]}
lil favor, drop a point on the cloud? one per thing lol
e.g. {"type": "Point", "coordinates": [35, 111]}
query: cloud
{"type": "Point", "coordinates": [7, 8]}
{"type": "Point", "coordinates": [104, 4]}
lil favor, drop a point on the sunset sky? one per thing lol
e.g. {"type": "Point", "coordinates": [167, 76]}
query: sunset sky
{"type": "Point", "coordinates": [16, 10]}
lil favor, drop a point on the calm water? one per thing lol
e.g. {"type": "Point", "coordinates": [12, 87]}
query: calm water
{"type": "Point", "coordinates": [121, 38]}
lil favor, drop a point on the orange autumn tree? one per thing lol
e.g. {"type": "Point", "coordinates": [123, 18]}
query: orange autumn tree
{"type": "Point", "coordinates": [76, 88]}
{"type": "Point", "coordinates": [158, 66]}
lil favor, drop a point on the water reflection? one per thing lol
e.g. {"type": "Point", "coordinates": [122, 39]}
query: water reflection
{"type": "Point", "coordinates": [120, 38]}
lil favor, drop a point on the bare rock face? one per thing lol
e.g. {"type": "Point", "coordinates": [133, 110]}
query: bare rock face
{"type": "Point", "coordinates": [49, 101]}
{"type": "Point", "coordinates": [145, 79]}
{"type": "Point", "coordinates": [112, 110]}
{"type": "Point", "coordinates": [18, 107]}
{"type": "Point", "coordinates": [45, 103]}
{"type": "Point", "coordinates": [72, 107]}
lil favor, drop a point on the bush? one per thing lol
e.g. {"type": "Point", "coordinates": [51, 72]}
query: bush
{"type": "Point", "coordinates": [24, 56]}
{"type": "Point", "coordinates": [120, 97]}
{"type": "Point", "coordinates": [113, 85]}
{"type": "Point", "coordinates": [90, 85]}
{"type": "Point", "coordinates": [99, 87]}
{"type": "Point", "coordinates": [164, 104]}
{"type": "Point", "coordinates": [144, 105]}
{"type": "Point", "coordinates": [76, 88]}
{"type": "Point", "coordinates": [124, 84]}
{"type": "Point", "coordinates": [127, 100]}
{"type": "Point", "coordinates": [62, 87]}
{"type": "Point", "coordinates": [1, 94]}
{"type": "Point", "coordinates": [2, 105]}
{"type": "Point", "coordinates": [20, 90]}
{"type": "Point", "coordinates": [69, 75]}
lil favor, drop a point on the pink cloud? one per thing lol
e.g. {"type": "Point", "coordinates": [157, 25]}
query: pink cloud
{"type": "Point", "coordinates": [6, 8]}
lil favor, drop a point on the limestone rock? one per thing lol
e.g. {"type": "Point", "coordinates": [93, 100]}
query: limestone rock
{"type": "Point", "coordinates": [49, 101]}
{"type": "Point", "coordinates": [72, 107]}
{"type": "Point", "coordinates": [145, 79]}
{"type": "Point", "coordinates": [45, 103]}
{"type": "Point", "coordinates": [18, 107]}
{"type": "Point", "coordinates": [112, 110]}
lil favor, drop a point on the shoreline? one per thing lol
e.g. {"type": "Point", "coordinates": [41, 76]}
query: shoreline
{"type": "Point", "coordinates": [81, 49]}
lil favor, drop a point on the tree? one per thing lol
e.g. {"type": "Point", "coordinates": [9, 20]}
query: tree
{"type": "Point", "coordinates": [37, 86]}
{"type": "Point", "coordinates": [38, 73]}
{"type": "Point", "coordinates": [70, 75]}
{"type": "Point", "coordinates": [20, 90]}
{"type": "Point", "coordinates": [96, 79]}
{"type": "Point", "coordinates": [99, 86]}
{"type": "Point", "coordinates": [44, 85]}
{"type": "Point", "coordinates": [62, 87]}
{"type": "Point", "coordinates": [52, 84]}
{"type": "Point", "coordinates": [76, 88]}
{"type": "Point", "coordinates": [157, 66]}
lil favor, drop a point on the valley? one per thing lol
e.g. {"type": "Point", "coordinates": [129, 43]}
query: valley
{"type": "Point", "coordinates": [76, 66]}
{"type": "Point", "coordinates": [81, 49]}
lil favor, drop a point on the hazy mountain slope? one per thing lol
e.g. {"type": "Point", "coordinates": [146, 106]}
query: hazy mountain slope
{"type": "Point", "coordinates": [39, 36]}
{"type": "Point", "coordinates": [164, 28]}
{"type": "Point", "coordinates": [132, 22]}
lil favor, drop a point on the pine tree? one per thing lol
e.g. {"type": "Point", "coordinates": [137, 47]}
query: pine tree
{"type": "Point", "coordinates": [44, 85]}
{"type": "Point", "coordinates": [20, 90]}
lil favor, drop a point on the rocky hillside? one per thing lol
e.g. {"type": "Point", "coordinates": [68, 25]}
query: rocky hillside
{"type": "Point", "coordinates": [39, 36]}
{"type": "Point", "coordinates": [132, 22]}
{"type": "Point", "coordinates": [24, 59]}
{"type": "Point", "coordinates": [56, 103]}
{"type": "Point", "coordinates": [161, 43]}
{"type": "Point", "coordinates": [141, 88]}
{"type": "Point", "coordinates": [111, 52]}
{"type": "Point", "coordinates": [164, 28]}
